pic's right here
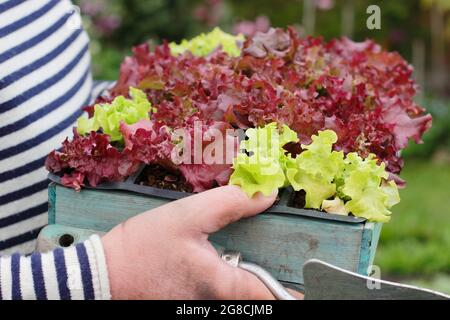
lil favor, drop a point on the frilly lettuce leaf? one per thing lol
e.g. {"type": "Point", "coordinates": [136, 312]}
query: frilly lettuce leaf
{"type": "Point", "coordinates": [390, 188]}
{"type": "Point", "coordinates": [108, 117]}
{"type": "Point", "coordinates": [257, 175]}
{"type": "Point", "coordinates": [316, 187]}
{"type": "Point", "coordinates": [370, 204]}
{"type": "Point", "coordinates": [269, 141]}
{"type": "Point", "coordinates": [204, 44]}
{"type": "Point", "coordinates": [260, 167]}
{"type": "Point", "coordinates": [335, 206]}
{"type": "Point", "coordinates": [364, 184]}
{"type": "Point", "coordinates": [332, 182]}
{"type": "Point", "coordinates": [315, 169]}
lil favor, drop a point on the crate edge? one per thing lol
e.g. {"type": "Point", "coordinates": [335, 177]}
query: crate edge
{"type": "Point", "coordinates": [369, 244]}
{"type": "Point", "coordinates": [52, 203]}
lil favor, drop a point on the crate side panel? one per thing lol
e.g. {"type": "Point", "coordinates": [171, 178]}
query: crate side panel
{"type": "Point", "coordinates": [283, 243]}
{"type": "Point", "coordinates": [99, 210]}
{"type": "Point", "coordinates": [375, 239]}
{"type": "Point", "coordinates": [51, 203]}
{"type": "Point", "coordinates": [369, 244]}
{"type": "Point", "coordinates": [280, 243]}
{"type": "Point", "coordinates": [49, 237]}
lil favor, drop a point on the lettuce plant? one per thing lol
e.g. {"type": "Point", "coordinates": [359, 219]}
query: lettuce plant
{"type": "Point", "coordinates": [316, 168]}
{"type": "Point", "coordinates": [109, 116]}
{"type": "Point", "coordinates": [364, 183]}
{"type": "Point", "coordinates": [363, 93]}
{"type": "Point", "coordinates": [90, 158]}
{"type": "Point", "coordinates": [204, 44]}
{"type": "Point", "coordinates": [350, 105]}
{"type": "Point", "coordinates": [331, 181]}
{"type": "Point", "coordinates": [261, 165]}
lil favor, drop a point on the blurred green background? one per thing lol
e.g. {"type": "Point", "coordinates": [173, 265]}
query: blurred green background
{"type": "Point", "coordinates": [415, 246]}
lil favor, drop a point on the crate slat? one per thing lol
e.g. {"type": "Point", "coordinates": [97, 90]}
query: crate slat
{"type": "Point", "coordinates": [281, 243]}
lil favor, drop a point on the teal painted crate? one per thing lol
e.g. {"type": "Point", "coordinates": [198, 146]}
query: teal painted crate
{"type": "Point", "coordinates": [281, 240]}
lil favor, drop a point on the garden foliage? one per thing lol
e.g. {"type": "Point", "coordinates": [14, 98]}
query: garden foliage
{"type": "Point", "coordinates": [347, 107]}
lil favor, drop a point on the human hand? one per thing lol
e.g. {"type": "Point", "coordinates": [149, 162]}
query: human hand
{"type": "Point", "coordinates": [165, 253]}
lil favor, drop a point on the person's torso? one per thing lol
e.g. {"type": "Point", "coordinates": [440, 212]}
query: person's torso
{"type": "Point", "coordinates": [44, 81]}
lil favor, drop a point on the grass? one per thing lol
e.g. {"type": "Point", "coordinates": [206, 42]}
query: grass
{"type": "Point", "coordinates": [415, 245]}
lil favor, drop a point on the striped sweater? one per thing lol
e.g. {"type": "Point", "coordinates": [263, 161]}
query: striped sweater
{"type": "Point", "coordinates": [75, 273]}
{"type": "Point", "coordinates": [45, 79]}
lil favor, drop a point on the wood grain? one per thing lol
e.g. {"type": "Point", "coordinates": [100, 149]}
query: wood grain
{"type": "Point", "coordinates": [281, 243]}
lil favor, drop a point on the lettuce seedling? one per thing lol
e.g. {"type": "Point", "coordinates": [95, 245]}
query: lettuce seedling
{"type": "Point", "coordinates": [332, 182]}
{"type": "Point", "coordinates": [109, 116]}
{"type": "Point", "coordinates": [261, 165]}
{"type": "Point", "coordinates": [316, 168]}
{"type": "Point", "coordinates": [365, 184]}
{"type": "Point", "coordinates": [204, 44]}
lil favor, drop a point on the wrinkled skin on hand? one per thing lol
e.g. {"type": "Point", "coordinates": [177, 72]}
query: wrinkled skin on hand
{"type": "Point", "coordinates": [165, 253]}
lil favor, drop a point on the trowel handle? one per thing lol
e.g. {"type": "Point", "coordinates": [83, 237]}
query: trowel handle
{"type": "Point", "coordinates": [276, 288]}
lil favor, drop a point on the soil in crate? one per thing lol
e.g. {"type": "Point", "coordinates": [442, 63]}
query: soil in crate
{"type": "Point", "coordinates": [159, 177]}
{"type": "Point", "coordinates": [298, 200]}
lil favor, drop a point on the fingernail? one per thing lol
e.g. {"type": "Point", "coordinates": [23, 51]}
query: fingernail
{"type": "Point", "coordinates": [273, 195]}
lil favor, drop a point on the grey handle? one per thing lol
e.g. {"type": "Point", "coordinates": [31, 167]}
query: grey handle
{"type": "Point", "coordinates": [276, 288]}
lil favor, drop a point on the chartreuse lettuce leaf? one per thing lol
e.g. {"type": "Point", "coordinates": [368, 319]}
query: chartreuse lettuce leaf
{"type": "Point", "coordinates": [257, 174]}
{"type": "Point", "coordinates": [260, 167]}
{"type": "Point", "coordinates": [332, 183]}
{"type": "Point", "coordinates": [315, 169]}
{"type": "Point", "coordinates": [364, 183]}
{"type": "Point", "coordinates": [390, 188]}
{"type": "Point", "coordinates": [269, 141]}
{"type": "Point", "coordinates": [204, 44]}
{"type": "Point", "coordinates": [108, 116]}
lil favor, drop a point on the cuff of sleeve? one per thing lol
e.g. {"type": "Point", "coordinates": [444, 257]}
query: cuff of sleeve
{"type": "Point", "coordinates": [97, 260]}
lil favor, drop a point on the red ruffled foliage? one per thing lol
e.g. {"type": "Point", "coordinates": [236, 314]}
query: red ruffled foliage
{"type": "Point", "coordinates": [362, 92]}
{"type": "Point", "coordinates": [92, 158]}
{"type": "Point", "coordinates": [74, 180]}
{"type": "Point", "coordinates": [206, 165]}
{"type": "Point", "coordinates": [147, 142]}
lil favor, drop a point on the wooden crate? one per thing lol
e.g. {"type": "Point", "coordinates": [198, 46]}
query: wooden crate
{"type": "Point", "coordinates": [280, 240]}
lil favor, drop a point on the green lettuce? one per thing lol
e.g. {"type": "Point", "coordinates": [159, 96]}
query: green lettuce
{"type": "Point", "coordinates": [257, 174]}
{"type": "Point", "coordinates": [332, 183]}
{"type": "Point", "coordinates": [260, 167]}
{"type": "Point", "coordinates": [204, 44]}
{"type": "Point", "coordinates": [108, 116]}
{"type": "Point", "coordinates": [365, 184]}
{"type": "Point", "coordinates": [316, 168]}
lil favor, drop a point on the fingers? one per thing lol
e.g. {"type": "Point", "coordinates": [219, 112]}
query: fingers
{"type": "Point", "coordinates": [212, 210]}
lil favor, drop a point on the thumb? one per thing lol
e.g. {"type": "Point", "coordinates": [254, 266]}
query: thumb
{"type": "Point", "coordinates": [213, 210]}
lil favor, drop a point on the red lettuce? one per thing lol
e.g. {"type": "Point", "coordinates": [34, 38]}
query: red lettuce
{"type": "Point", "coordinates": [148, 142]}
{"type": "Point", "coordinates": [92, 158]}
{"type": "Point", "coordinates": [206, 166]}
{"type": "Point", "coordinates": [360, 91]}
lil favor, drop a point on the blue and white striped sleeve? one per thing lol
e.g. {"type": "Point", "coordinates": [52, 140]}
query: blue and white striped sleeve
{"type": "Point", "coordinates": [75, 273]}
